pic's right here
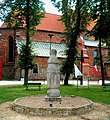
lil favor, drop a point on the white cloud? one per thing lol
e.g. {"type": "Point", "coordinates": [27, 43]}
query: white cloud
{"type": "Point", "coordinates": [1, 23]}
{"type": "Point", "coordinates": [50, 8]}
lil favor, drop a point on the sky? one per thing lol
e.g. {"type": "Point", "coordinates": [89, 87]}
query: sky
{"type": "Point", "coordinates": [48, 7]}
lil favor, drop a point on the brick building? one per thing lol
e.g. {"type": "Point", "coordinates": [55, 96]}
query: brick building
{"type": "Point", "coordinates": [10, 40]}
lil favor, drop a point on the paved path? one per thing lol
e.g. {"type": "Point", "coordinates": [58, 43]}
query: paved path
{"type": "Point", "coordinates": [4, 82]}
{"type": "Point", "coordinates": [11, 83]}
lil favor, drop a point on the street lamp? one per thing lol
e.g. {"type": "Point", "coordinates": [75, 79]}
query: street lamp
{"type": "Point", "coordinates": [50, 35]}
{"type": "Point", "coordinates": [81, 60]}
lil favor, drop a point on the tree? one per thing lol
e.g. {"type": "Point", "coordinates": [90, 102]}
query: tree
{"type": "Point", "coordinates": [100, 12]}
{"type": "Point", "coordinates": [22, 58]}
{"type": "Point", "coordinates": [75, 18]}
{"type": "Point", "coordinates": [26, 13]}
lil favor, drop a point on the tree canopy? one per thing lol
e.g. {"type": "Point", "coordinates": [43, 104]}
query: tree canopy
{"type": "Point", "coordinates": [100, 12]}
{"type": "Point", "coordinates": [76, 15]}
{"type": "Point", "coordinates": [14, 12]}
{"type": "Point", "coordinates": [22, 58]}
{"type": "Point", "coordinates": [27, 14]}
{"type": "Point", "coordinates": [75, 18]}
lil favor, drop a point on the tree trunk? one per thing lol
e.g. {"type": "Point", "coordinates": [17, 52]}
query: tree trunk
{"type": "Point", "coordinates": [100, 40]}
{"type": "Point", "coordinates": [66, 78]}
{"type": "Point", "coordinates": [101, 61]}
{"type": "Point", "coordinates": [27, 42]}
{"type": "Point", "coordinates": [72, 43]}
{"type": "Point", "coordinates": [26, 76]}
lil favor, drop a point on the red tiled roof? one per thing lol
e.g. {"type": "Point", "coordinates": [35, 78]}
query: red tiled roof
{"type": "Point", "coordinates": [91, 25]}
{"type": "Point", "coordinates": [51, 22]}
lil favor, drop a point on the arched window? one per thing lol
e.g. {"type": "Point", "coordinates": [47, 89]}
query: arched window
{"type": "Point", "coordinates": [95, 57]}
{"type": "Point", "coordinates": [11, 49]}
{"type": "Point", "coordinates": [63, 41]}
{"type": "Point", "coordinates": [35, 69]}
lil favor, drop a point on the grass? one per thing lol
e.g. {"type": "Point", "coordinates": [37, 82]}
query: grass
{"type": "Point", "coordinates": [8, 93]}
{"type": "Point", "coordinates": [94, 93]}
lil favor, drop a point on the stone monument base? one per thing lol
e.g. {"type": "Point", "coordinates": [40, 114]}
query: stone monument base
{"type": "Point", "coordinates": [52, 99]}
{"type": "Point", "coordinates": [36, 106]}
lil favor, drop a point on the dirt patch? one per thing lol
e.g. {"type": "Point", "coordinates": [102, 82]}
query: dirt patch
{"type": "Point", "coordinates": [39, 102]}
{"type": "Point", "coordinates": [100, 112]}
{"type": "Point", "coordinates": [67, 106]}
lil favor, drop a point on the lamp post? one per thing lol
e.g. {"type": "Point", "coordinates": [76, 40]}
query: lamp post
{"type": "Point", "coordinates": [50, 35]}
{"type": "Point", "coordinates": [81, 63]}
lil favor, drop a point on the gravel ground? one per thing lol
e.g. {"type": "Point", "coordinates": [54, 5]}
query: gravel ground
{"type": "Point", "coordinates": [100, 112]}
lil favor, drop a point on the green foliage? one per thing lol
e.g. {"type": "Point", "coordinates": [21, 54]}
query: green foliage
{"type": "Point", "coordinates": [76, 15]}
{"type": "Point", "coordinates": [14, 12]}
{"type": "Point", "coordinates": [26, 61]}
{"type": "Point", "coordinates": [75, 18]}
{"type": "Point", "coordinates": [100, 12]}
{"type": "Point", "coordinates": [27, 14]}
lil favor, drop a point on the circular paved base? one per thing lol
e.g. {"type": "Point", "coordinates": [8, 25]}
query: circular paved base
{"type": "Point", "coordinates": [36, 105]}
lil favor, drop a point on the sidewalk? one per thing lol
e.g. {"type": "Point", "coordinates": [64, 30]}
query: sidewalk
{"type": "Point", "coordinates": [85, 83]}
{"type": "Point", "coordinates": [5, 83]}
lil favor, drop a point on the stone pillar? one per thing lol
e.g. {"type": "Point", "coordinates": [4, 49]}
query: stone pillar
{"type": "Point", "coordinates": [53, 78]}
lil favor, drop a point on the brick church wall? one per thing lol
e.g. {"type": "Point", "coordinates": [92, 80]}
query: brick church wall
{"type": "Point", "coordinates": [42, 69]}
{"type": "Point", "coordinates": [8, 67]}
{"type": "Point", "coordinates": [91, 62]}
{"type": "Point", "coordinates": [43, 36]}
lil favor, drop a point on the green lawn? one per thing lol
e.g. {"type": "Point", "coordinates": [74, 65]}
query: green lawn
{"type": "Point", "coordinates": [95, 93]}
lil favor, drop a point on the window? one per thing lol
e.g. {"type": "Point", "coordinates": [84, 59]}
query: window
{"type": "Point", "coordinates": [35, 69]}
{"type": "Point", "coordinates": [63, 41]}
{"type": "Point", "coordinates": [95, 57]}
{"type": "Point", "coordinates": [11, 49]}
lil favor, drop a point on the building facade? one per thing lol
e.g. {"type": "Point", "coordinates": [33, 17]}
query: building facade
{"type": "Point", "coordinates": [49, 35]}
